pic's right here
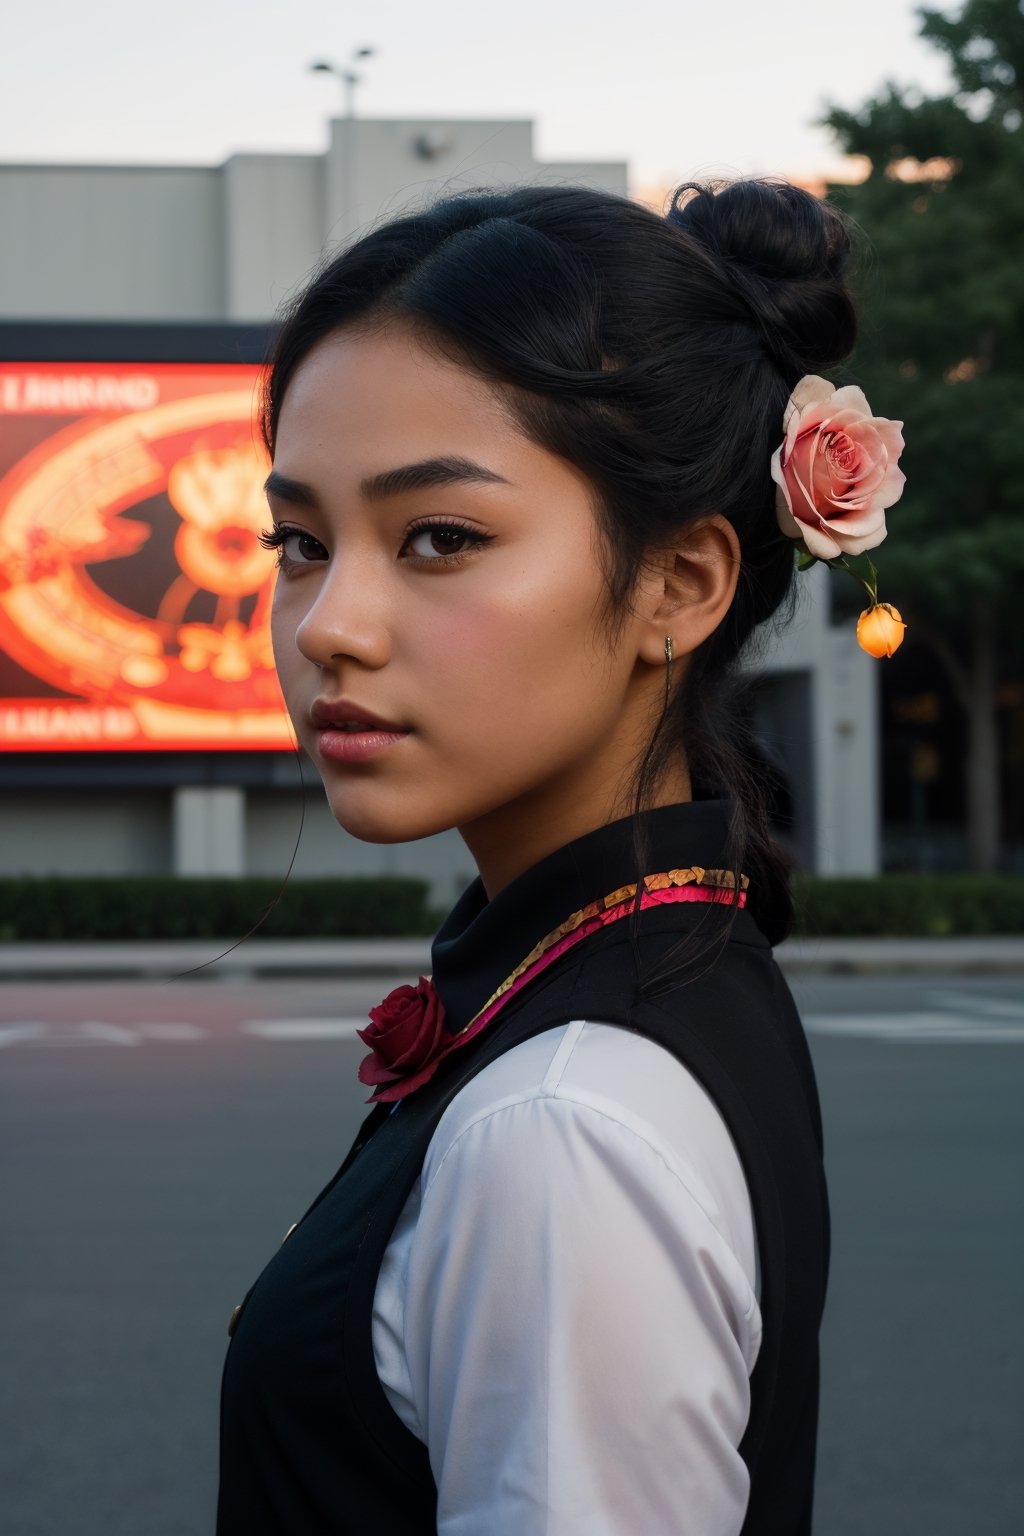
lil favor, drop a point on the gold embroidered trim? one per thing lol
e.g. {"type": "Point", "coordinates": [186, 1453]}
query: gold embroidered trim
{"type": "Point", "coordinates": [695, 875]}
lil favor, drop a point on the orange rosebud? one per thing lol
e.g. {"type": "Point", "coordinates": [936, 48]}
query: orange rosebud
{"type": "Point", "coordinates": [880, 630]}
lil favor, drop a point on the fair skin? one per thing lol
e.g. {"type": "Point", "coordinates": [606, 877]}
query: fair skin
{"type": "Point", "coordinates": [525, 722]}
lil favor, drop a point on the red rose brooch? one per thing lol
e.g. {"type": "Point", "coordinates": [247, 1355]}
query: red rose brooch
{"type": "Point", "coordinates": [407, 1040]}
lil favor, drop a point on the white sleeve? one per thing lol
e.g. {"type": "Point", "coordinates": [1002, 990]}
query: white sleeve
{"type": "Point", "coordinates": [579, 1334]}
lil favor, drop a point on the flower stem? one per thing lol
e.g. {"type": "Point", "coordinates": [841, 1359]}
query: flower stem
{"type": "Point", "coordinates": [839, 563]}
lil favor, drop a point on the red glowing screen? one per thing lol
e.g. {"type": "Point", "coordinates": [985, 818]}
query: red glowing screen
{"type": "Point", "coordinates": [134, 596]}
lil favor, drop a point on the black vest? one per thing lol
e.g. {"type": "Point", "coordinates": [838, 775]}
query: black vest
{"type": "Point", "coordinates": [310, 1445]}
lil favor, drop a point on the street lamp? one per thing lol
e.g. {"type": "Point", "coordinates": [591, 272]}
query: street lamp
{"type": "Point", "coordinates": [349, 80]}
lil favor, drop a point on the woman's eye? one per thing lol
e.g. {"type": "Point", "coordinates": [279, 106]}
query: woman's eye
{"type": "Point", "coordinates": [440, 540]}
{"type": "Point", "coordinates": [293, 546]}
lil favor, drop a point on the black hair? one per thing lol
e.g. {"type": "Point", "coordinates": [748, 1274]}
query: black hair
{"type": "Point", "coordinates": [656, 354]}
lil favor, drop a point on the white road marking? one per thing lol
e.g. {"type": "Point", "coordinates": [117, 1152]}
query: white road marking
{"type": "Point", "coordinates": [94, 1032]}
{"type": "Point", "coordinates": [110, 1034]}
{"type": "Point", "coordinates": [303, 1029]}
{"type": "Point", "coordinates": [20, 1032]}
{"type": "Point", "coordinates": [87, 1032]}
{"type": "Point", "coordinates": [880, 1023]}
{"type": "Point", "coordinates": [99, 1032]}
{"type": "Point", "coordinates": [971, 1003]}
{"type": "Point", "coordinates": [918, 1028]}
{"type": "Point", "coordinates": [986, 1036]}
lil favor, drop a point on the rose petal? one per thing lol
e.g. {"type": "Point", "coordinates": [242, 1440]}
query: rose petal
{"type": "Point", "coordinates": [857, 546]}
{"type": "Point", "coordinates": [799, 473]}
{"type": "Point", "coordinates": [422, 1047]}
{"type": "Point", "coordinates": [816, 416]}
{"type": "Point", "coordinates": [389, 1093]}
{"type": "Point", "coordinates": [861, 432]}
{"type": "Point", "coordinates": [864, 449]}
{"type": "Point", "coordinates": [857, 522]}
{"type": "Point", "coordinates": [409, 1082]}
{"type": "Point", "coordinates": [784, 517]}
{"type": "Point", "coordinates": [371, 1071]}
{"type": "Point", "coordinates": [857, 493]}
{"type": "Point", "coordinates": [842, 470]}
{"type": "Point", "coordinates": [820, 542]}
{"type": "Point", "coordinates": [891, 433]}
{"type": "Point", "coordinates": [811, 389]}
{"type": "Point", "coordinates": [778, 475]}
{"type": "Point", "coordinates": [855, 534]}
{"type": "Point", "coordinates": [395, 1006]}
{"type": "Point", "coordinates": [851, 398]}
{"type": "Point", "coordinates": [892, 486]}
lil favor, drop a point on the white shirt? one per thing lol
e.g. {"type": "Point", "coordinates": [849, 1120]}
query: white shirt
{"type": "Point", "coordinates": [567, 1313]}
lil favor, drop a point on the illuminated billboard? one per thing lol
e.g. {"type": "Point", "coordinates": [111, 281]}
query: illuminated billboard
{"type": "Point", "coordinates": [134, 596]}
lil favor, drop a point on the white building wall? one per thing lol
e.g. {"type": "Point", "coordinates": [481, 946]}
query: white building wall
{"type": "Point", "coordinates": [111, 243]}
{"type": "Point", "coordinates": [844, 746]}
{"type": "Point", "coordinates": [377, 168]}
{"type": "Point", "coordinates": [101, 833]}
{"type": "Point", "coordinates": [273, 230]}
{"type": "Point", "coordinates": [283, 212]}
{"type": "Point", "coordinates": [846, 711]}
{"type": "Point", "coordinates": [374, 168]}
{"type": "Point", "coordinates": [233, 242]}
{"type": "Point", "coordinates": [273, 821]}
{"type": "Point", "coordinates": [209, 829]}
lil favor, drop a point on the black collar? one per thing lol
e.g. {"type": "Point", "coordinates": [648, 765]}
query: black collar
{"type": "Point", "coordinates": [480, 942]}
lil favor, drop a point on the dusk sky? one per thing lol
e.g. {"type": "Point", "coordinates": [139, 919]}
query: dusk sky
{"type": "Point", "coordinates": [674, 89]}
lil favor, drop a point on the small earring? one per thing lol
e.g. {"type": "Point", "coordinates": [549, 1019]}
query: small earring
{"type": "Point", "coordinates": [668, 649]}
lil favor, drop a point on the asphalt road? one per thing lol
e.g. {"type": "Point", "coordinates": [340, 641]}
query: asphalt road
{"type": "Point", "coordinates": [156, 1141]}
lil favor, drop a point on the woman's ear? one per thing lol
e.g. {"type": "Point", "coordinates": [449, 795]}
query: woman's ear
{"type": "Point", "coordinates": [688, 588]}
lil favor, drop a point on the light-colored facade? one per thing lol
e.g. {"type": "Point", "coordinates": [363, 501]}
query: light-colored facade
{"type": "Point", "coordinates": [231, 243]}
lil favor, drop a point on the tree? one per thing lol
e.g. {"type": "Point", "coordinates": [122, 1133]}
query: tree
{"type": "Point", "coordinates": [942, 346]}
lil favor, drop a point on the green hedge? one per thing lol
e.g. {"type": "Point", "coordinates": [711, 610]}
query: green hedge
{"type": "Point", "coordinates": [930, 906]}
{"type": "Point", "coordinates": [167, 907]}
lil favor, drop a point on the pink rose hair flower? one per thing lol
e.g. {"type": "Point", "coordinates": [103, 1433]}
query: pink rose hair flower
{"type": "Point", "coordinates": [837, 471]}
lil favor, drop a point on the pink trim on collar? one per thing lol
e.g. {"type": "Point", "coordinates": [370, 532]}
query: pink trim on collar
{"type": "Point", "coordinates": [655, 898]}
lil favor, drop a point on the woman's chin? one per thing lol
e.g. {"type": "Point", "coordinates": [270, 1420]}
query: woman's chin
{"type": "Point", "coordinates": [380, 818]}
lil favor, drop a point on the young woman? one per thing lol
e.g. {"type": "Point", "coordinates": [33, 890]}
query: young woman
{"type": "Point", "coordinates": [570, 1277]}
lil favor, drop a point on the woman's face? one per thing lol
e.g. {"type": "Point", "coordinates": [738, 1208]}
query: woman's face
{"type": "Point", "coordinates": [521, 721]}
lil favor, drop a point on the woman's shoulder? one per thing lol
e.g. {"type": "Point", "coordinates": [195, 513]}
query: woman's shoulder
{"type": "Point", "coordinates": [619, 1098]}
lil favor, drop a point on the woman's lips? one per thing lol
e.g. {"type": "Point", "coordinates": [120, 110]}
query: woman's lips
{"type": "Point", "coordinates": [356, 746]}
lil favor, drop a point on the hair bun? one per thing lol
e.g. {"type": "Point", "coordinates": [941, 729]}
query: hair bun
{"type": "Point", "coordinates": [785, 252]}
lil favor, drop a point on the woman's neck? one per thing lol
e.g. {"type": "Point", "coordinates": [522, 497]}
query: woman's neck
{"type": "Point", "coordinates": [516, 836]}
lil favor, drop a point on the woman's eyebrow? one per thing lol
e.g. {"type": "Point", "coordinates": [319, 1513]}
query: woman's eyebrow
{"type": "Point", "coordinates": [449, 469]}
{"type": "Point", "coordinates": [299, 494]}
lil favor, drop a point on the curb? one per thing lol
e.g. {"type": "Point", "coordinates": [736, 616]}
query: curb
{"type": "Point", "coordinates": [995, 955]}
{"type": "Point", "coordinates": [212, 960]}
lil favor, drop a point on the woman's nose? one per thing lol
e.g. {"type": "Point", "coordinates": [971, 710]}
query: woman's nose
{"type": "Point", "coordinates": [348, 616]}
